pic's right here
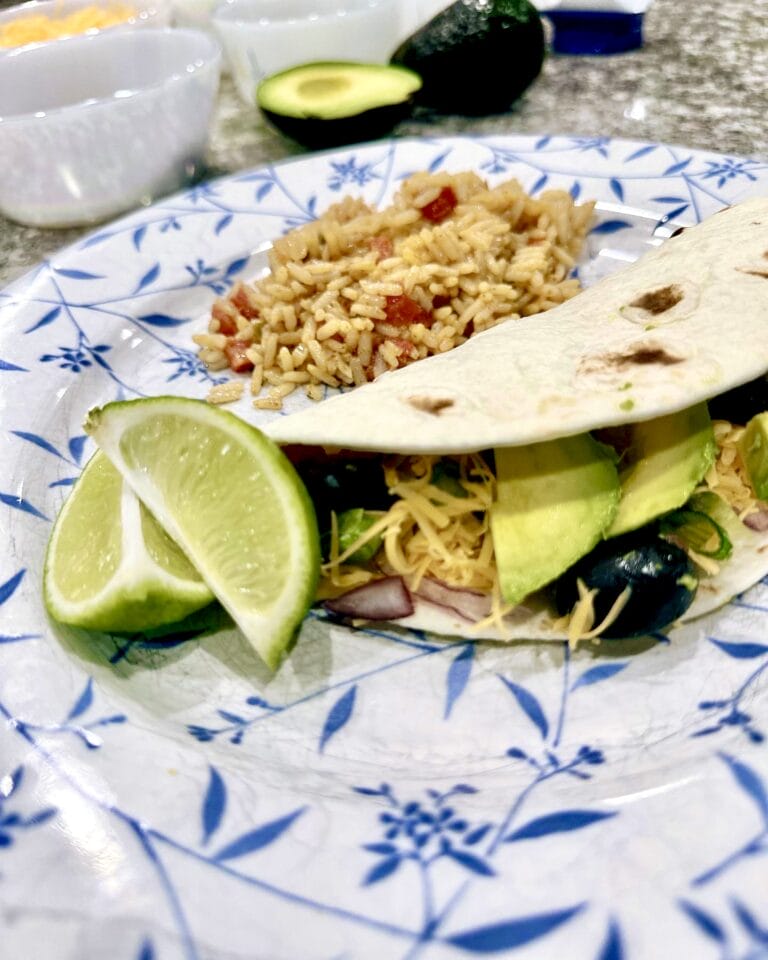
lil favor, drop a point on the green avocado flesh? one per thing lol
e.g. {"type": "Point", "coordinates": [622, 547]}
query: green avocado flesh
{"type": "Point", "coordinates": [754, 453]}
{"type": "Point", "coordinates": [665, 460]}
{"type": "Point", "coordinates": [329, 91]}
{"type": "Point", "coordinates": [555, 500]}
{"type": "Point", "coordinates": [330, 104]}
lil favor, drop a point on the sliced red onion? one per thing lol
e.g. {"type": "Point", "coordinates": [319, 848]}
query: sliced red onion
{"type": "Point", "coordinates": [470, 605]}
{"type": "Point", "coordinates": [759, 520]}
{"type": "Point", "coordinates": [386, 599]}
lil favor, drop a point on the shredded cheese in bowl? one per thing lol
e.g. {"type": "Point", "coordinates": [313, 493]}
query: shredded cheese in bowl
{"type": "Point", "coordinates": [40, 27]}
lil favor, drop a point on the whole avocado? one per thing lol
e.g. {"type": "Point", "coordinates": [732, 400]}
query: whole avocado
{"type": "Point", "coordinates": [477, 56]}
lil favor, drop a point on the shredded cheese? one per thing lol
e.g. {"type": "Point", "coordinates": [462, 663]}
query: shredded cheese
{"type": "Point", "coordinates": [37, 27]}
{"type": "Point", "coordinates": [578, 624]}
{"type": "Point", "coordinates": [429, 531]}
{"type": "Point", "coordinates": [727, 476]}
{"type": "Point", "coordinates": [451, 533]}
{"type": "Point", "coordinates": [337, 580]}
{"type": "Point", "coordinates": [610, 618]}
{"type": "Point", "coordinates": [581, 618]}
{"type": "Point", "coordinates": [710, 567]}
{"type": "Point", "coordinates": [499, 610]}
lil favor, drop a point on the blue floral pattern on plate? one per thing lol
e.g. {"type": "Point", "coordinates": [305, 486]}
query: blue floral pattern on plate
{"type": "Point", "coordinates": [387, 794]}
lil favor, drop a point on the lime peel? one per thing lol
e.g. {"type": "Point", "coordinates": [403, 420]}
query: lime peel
{"type": "Point", "coordinates": [100, 572]}
{"type": "Point", "coordinates": [232, 501]}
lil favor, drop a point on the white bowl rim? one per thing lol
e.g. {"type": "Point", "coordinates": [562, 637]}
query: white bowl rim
{"type": "Point", "coordinates": [210, 54]}
{"type": "Point", "coordinates": [233, 5]}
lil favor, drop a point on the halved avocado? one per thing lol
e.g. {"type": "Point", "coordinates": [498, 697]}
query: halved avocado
{"type": "Point", "coordinates": [327, 104]}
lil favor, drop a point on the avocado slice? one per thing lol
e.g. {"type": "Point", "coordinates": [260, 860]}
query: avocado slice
{"type": "Point", "coordinates": [477, 56]}
{"type": "Point", "coordinates": [754, 452]}
{"type": "Point", "coordinates": [555, 501]}
{"type": "Point", "coordinates": [327, 104]}
{"type": "Point", "coordinates": [664, 461]}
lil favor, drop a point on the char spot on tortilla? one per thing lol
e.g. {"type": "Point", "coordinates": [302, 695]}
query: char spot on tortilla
{"type": "Point", "coordinates": [647, 355]}
{"type": "Point", "coordinates": [642, 354]}
{"type": "Point", "coordinates": [659, 301]}
{"type": "Point", "coordinates": [756, 273]}
{"type": "Point", "coordinates": [433, 405]}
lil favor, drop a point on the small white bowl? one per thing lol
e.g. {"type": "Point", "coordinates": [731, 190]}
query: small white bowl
{"type": "Point", "coordinates": [146, 14]}
{"type": "Point", "coordinates": [261, 37]}
{"type": "Point", "coordinates": [92, 126]}
{"type": "Point", "coordinates": [194, 13]}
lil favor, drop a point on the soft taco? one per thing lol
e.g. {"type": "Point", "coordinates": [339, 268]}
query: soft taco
{"type": "Point", "coordinates": [597, 470]}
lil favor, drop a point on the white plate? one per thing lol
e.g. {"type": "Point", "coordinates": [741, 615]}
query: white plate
{"type": "Point", "coordinates": [386, 794]}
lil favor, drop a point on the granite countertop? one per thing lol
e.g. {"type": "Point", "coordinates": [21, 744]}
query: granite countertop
{"type": "Point", "coordinates": [699, 80]}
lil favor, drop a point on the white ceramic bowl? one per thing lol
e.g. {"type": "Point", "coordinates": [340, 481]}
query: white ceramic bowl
{"type": "Point", "coordinates": [194, 13]}
{"type": "Point", "coordinates": [148, 13]}
{"type": "Point", "coordinates": [94, 125]}
{"type": "Point", "coordinates": [261, 37]}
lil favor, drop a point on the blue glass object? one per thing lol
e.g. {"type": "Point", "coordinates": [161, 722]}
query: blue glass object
{"type": "Point", "coordinates": [595, 32]}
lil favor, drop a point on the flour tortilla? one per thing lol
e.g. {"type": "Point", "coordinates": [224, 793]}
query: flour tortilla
{"type": "Point", "coordinates": [685, 323]}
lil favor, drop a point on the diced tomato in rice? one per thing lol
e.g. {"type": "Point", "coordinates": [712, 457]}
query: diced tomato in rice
{"type": "Point", "coordinates": [237, 356]}
{"type": "Point", "coordinates": [239, 299]}
{"type": "Point", "coordinates": [441, 207]}
{"type": "Point", "coordinates": [227, 323]}
{"type": "Point", "coordinates": [382, 246]}
{"type": "Point", "coordinates": [402, 311]}
{"type": "Point", "coordinates": [405, 348]}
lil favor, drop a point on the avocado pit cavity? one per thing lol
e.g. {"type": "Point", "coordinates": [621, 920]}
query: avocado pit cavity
{"type": "Point", "coordinates": [322, 88]}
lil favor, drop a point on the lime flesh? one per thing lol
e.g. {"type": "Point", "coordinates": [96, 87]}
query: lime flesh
{"type": "Point", "coordinates": [230, 498]}
{"type": "Point", "coordinates": [109, 566]}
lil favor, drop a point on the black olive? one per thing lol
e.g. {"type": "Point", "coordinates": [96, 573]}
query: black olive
{"type": "Point", "coordinates": [742, 403]}
{"type": "Point", "coordinates": [661, 575]}
{"type": "Point", "coordinates": [342, 483]}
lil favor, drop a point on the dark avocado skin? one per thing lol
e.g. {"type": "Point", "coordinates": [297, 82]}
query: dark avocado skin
{"type": "Point", "coordinates": [316, 133]}
{"type": "Point", "coordinates": [476, 57]}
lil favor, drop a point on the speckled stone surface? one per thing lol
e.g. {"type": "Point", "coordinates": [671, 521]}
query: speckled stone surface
{"type": "Point", "coordinates": [699, 80]}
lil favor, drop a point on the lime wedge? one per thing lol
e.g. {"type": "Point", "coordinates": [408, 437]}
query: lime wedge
{"type": "Point", "coordinates": [110, 566]}
{"type": "Point", "coordinates": [232, 501]}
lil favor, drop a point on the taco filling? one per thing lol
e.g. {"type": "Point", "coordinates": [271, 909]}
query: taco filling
{"type": "Point", "coordinates": [611, 533]}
